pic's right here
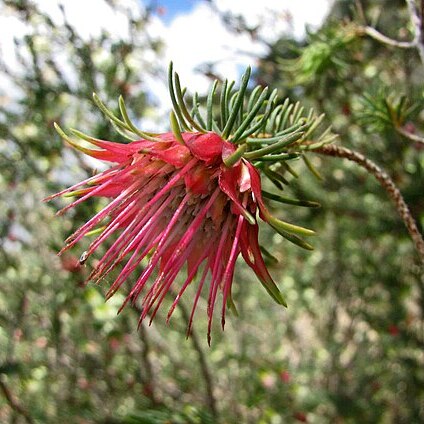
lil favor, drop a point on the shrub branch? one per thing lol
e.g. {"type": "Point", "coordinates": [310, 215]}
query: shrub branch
{"type": "Point", "coordinates": [388, 185]}
{"type": "Point", "coordinates": [416, 17]}
{"type": "Point", "coordinates": [14, 404]}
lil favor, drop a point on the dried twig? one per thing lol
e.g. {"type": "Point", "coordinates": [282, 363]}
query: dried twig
{"type": "Point", "coordinates": [13, 403]}
{"type": "Point", "coordinates": [417, 23]}
{"type": "Point", "coordinates": [388, 184]}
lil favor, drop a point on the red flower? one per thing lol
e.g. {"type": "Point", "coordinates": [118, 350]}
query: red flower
{"type": "Point", "coordinates": [285, 376]}
{"type": "Point", "coordinates": [393, 330]}
{"type": "Point", "coordinates": [70, 263]}
{"type": "Point", "coordinates": [177, 204]}
{"type": "Point", "coordinates": [300, 416]}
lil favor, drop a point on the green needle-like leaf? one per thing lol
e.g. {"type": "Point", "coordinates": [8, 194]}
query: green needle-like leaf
{"type": "Point", "coordinates": [287, 227]}
{"type": "Point", "coordinates": [175, 127]}
{"type": "Point", "coordinates": [284, 142]}
{"type": "Point", "coordinates": [129, 123]}
{"type": "Point", "coordinates": [108, 113]}
{"type": "Point", "coordinates": [274, 291]}
{"type": "Point", "coordinates": [183, 107]}
{"type": "Point", "coordinates": [294, 239]}
{"type": "Point", "coordinates": [290, 201]}
{"type": "Point", "coordinates": [311, 168]}
{"type": "Point", "coordinates": [237, 105]}
{"type": "Point", "coordinates": [236, 156]}
{"type": "Point", "coordinates": [209, 106]}
{"type": "Point", "coordinates": [195, 113]}
{"type": "Point", "coordinates": [251, 115]}
{"type": "Point", "coordinates": [175, 105]}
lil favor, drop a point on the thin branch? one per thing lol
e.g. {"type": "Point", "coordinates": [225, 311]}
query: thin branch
{"type": "Point", "coordinates": [203, 365]}
{"type": "Point", "coordinates": [413, 137]}
{"type": "Point", "coordinates": [377, 35]}
{"type": "Point", "coordinates": [207, 376]}
{"type": "Point", "coordinates": [417, 23]}
{"type": "Point", "coordinates": [388, 184]}
{"type": "Point", "coordinates": [149, 377]}
{"type": "Point", "coordinates": [13, 403]}
{"type": "Point", "coordinates": [360, 11]}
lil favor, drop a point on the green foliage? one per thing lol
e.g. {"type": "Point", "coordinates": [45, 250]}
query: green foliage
{"type": "Point", "coordinates": [189, 415]}
{"type": "Point", "coordinates": [387, 110]}
{"type": "Point", "coordinates": [326, 53]}
{"type": "Point", "coordinates": [268, 126]}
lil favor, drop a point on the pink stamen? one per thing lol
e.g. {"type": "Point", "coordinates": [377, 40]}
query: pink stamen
{"type": "Point", "coordinates": [187, 282]}
{"type": "Point", "coordinates": [156, 255]}
{"type": "Point", "coordinates": [196, 299]}
{"type": "Point", "coordinates": [191, 230]}
{"type": "Point", "coordinates": [113, 170]}
{"type": "Point", "coordinates": [131, 264]}
{"type": "Point", "coordinates": [167, 283]}
{"type": "Point", "coordinates": [216, 275]}
{"type": "Point", "coordinates": [113, 226]}
{"type": "Point", "coordinates": [80, 233]}
{"type": "Point", "coordinates": [95, 190]}
{"type": "Point", "coordinates": [229, 270]}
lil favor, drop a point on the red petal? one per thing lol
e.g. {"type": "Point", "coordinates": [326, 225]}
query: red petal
{"type": "Point", "coordinates": [176, 155]}
{"type": "Point", "coordinates": [228, 183]}
{"type": "Point", "coordinates": [115, 152]}
{"type": "Point", "coordinates": [255, 182]}
{"type": "Point", "coordinates": [198, 180]}
{"type": "Point", "coordinates": [169, 136]}
{"type": "Point", "coordinates": [251, 253]}
{"type": "Point", "coordinates": [227, 149]}
{"type": "Point", "coordinates": [166, 256]}
{"type": "Point", "coordinates": [198, 254]}
{"type": "Point", "coordinates": [217, 210]}
{"type": "Point", "coordinates": [206, 147]}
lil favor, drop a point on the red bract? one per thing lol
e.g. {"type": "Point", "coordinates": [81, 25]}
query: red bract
{"type": "Point", "coordinates": [177, 204]}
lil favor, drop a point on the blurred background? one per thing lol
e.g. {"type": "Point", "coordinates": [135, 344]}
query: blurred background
{"type": "Point", "coordinates": [349, 348]}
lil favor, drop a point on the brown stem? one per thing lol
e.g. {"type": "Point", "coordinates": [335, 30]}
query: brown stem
{"type": "Point", "coordinates": [203, 365]}
{"type": "Point", "coordinates": [13, 403]}
{"type": "Point", "coordinates": [207, 377]}
{"type": "Point", "coordinates": [145, 352]}
{"type": "Point", "coordinates": [388, 184]}
{"type": "Point", "coordinates": [147, 376]}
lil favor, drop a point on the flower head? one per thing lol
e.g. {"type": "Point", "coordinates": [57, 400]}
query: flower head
{"type": "Point", "coordinates": [180, 205]}
{"type": "Point", "coordinates": [184, 200]}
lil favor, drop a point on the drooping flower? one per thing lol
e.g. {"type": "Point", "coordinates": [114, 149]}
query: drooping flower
{"type": "Point", "coordinates": [188, 200]}
{"type": "Point", "coordinates": [180, 204]}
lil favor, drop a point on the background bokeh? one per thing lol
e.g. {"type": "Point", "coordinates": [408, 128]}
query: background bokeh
{"type": "Point", "coordinates": [349, 348]}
